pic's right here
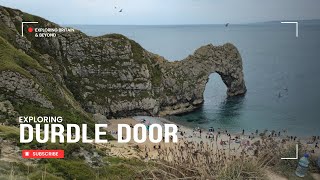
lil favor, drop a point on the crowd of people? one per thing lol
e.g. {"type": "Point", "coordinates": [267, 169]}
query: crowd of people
{"type": "Point", "coordinates": [210, 145]}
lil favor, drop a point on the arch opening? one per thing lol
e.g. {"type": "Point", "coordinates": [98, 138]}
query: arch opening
{"type": "Point", "coordinates": [214, 92]}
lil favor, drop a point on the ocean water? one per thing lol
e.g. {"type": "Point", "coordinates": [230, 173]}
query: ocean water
{"type": "Point", "coordinates": [281, 73]}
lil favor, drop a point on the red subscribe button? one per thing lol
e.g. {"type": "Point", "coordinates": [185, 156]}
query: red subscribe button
{"type": "Point", "coordinates": [37, 154]}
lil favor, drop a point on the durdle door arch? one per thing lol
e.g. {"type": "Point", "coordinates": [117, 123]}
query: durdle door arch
{"type": "Point", "coordinates": [186, 80]}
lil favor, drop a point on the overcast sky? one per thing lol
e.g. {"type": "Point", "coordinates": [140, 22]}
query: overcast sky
{"type": "Point", "coordinates": [146, 12]}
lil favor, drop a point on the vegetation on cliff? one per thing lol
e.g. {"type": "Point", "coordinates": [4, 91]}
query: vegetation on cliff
{"type": "Point", "coordinates": [76, 76]}
{"type": "Point", "coordinates": [114, 76]}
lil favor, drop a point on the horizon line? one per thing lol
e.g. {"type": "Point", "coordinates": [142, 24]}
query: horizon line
{"type": "Point", "coordinates": [200, 24]}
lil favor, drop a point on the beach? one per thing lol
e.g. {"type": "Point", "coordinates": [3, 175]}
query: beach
{"type": "Point", "coordinates": [282, 92]}
{"type": "Point", "coordinates": [216, 141]}
{"type": "Point", "coordinates": [199, 151]}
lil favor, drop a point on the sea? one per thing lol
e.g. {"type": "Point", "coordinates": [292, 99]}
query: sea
{"type": "Point", "coordinates": [282, 72]}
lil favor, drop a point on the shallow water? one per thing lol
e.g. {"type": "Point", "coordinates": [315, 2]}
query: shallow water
{"type": "Point", "coordinates": [281, 73]}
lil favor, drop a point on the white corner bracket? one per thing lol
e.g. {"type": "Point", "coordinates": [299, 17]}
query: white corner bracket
{"type": "Point", "coordinates": [297, 153]}
{"type": "Point", "coordinates": [297, 26]}
{"type": "Point", "coordinates": [22, 23]}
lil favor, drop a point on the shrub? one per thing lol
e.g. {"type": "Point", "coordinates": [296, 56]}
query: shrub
{"type": "Point", "coordinates": [55, 146]}
{"type": "Point", "coordinates": [71, 169]}
{"type": "Point", "coordinates": [70, 148]}
{"type": "Point", "coordinates": [43, 175]}
{"type": "Point", "coordinates": [12, 136]}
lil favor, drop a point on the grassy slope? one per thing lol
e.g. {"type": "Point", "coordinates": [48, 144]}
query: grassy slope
{"type": "Point", "coordinates": [69, 168]}
{"type": "Point", "coordinates": [15, 60]}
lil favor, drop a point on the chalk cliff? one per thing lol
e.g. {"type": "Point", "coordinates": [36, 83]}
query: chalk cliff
{"type": "Point", "coordinates": [109, 75]}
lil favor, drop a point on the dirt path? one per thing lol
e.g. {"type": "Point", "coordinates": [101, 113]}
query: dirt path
{"type": "Point", "coordinates": [316, 176]}
{"type": "Point", "coordinates": [272, 176]}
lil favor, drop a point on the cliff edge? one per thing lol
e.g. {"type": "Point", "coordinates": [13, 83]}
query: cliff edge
{"type": "Point", "coordinates": [109, 75]}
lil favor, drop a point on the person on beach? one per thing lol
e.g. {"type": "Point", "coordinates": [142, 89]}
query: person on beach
{"type": "Point", "coordinates": [242, 131]}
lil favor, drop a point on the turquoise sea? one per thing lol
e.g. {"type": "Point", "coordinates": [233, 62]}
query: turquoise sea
{"type": "Point", "coordinates": [281, 72]}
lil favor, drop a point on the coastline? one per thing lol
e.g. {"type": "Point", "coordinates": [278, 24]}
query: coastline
{"type": "Point", "coordinates": [235, 143]}
{"type": "Point", "coordinates": [193, 151]}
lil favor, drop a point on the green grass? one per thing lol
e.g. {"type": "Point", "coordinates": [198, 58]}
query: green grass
{"type": "Point", "coordinates": [27, 17]}
{"type": "Point", "coordinates": [69, 115]}
{"type": "Point", "coordinates": [15, 60]}
{"type": "Point", "coordinates": [38, 175]}
{"type": "Point", "coordinates": [12, 59]}
{"type": "Point", "coordinates": [56, 169]}
{"type": "Point", "coordinates": [9, 133]}
{"type": "Point", "coordinates": [9, 129]}
{"type": "Point", "coordinates": [70, 169]}
{"type": "Point", "coordinates": [21, 171]}
{"type": "Point", "coordinates": [120, 168]}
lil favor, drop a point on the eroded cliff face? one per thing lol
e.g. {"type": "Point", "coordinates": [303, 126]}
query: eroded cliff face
{"type": "Point", "coordinates": [110, 75]}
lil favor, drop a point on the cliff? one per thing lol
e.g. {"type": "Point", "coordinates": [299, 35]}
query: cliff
{"type": "Point", "coordinates": [109, 75]}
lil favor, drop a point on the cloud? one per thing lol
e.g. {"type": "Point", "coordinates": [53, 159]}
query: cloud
{"type": "Point", "coordinates": [167, 11]}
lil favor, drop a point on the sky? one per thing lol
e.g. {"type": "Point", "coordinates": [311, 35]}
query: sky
{"type": "Point", "coordinates": [167, 12]}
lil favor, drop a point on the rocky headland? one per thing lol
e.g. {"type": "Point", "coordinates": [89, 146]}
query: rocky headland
{"type": "Point", "coordinates": [109, 75]}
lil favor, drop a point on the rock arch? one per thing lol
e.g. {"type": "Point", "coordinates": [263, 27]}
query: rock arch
{"type": "Point", "coordinates": [114, 76]}
{"type": "Point", "coordinates": [184, 81]}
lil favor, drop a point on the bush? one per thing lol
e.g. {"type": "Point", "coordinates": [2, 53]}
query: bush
{"type": "Point", "coordinates": [101, 152]}
{"type": "Point", "coordinates": [32, 145]}
{"type": "Point", "coordinates": [39, 175]}
{"type": "Point", "coordinates": [55, 146]}
{"type": "Point", "coordinates": [12, 122]}
{"type": "Point", "coordinates": [70, 148]}
{"type": "Point", "coordinates": [71, 169]}
{"type": "Point", "coordinates": [12, 136]}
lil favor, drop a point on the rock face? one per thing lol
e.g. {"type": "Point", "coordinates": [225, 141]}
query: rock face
{"type": "Point", "coordinates": [23, 87]}
{"type": "Point", "coordinates": [113, 75]}
{"type": "Point", "coordinates": [185, 81]}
